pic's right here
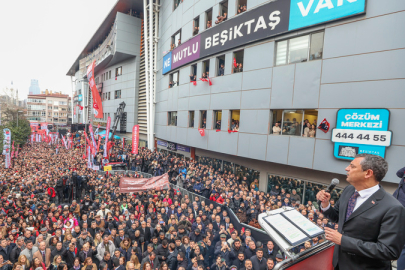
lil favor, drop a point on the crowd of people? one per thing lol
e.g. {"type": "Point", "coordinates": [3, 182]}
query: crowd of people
{"type": "Point", "coordinates": [57, 214]}
{"type": "Point", "coordinates": [295, 128]}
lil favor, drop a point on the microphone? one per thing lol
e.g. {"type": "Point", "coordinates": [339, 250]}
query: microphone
{"type": "Point", "coordinates": [329, 189]}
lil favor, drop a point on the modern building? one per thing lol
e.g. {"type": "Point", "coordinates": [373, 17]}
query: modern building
{"type": "Point", "coordinates": [272, 73]}
{"type": "Point", "coordinates": [34, 88]}
{"type": "Point", "coordinates": [116, 48]}
{"type": "Point", "coordinates": [52, 108]}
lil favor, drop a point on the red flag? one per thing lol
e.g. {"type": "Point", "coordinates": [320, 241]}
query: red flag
{"type": "Point", "coordinates": [324, 125]}
{"type": "Point", "coordinates": [218, 130]}
{"type": "Point", "coordinates": [209, 81]}
{"type": "Point", "coordinates": [234, 62]}
{"type": "Point", "coordinates": [202, 132]}
{"type": "Point", "coordinates": [204, 79]}
{"type": "Point", "coordinates": [195, 83]}
{"type": "Point", "coordinates": [97, 104]}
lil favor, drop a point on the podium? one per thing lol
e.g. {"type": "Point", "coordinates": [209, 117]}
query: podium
{"type": "Point", "coordinates": [289, 230]}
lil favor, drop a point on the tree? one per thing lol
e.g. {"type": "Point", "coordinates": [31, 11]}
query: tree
{"type": "Point", "coordinates": [20, 133]}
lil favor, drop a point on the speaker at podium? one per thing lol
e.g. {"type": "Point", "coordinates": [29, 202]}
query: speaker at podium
{"type": "Point", "coordinates": [289, 229]}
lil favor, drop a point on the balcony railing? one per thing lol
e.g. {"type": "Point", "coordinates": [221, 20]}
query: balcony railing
{"type": "Point", "coordinates": [106, 49]}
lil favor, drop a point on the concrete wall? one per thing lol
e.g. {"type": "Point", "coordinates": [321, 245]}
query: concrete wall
{"type": "Point", "coordinates": [362, 67]}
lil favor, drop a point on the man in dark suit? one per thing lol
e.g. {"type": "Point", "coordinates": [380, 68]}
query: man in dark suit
{"type": "Point", "coordinates": [370, 221]}
{"type": "Point", "coordinates": [270, 251]}
{"type": "Point", "coordinates": [258, 261]}
{"type": "Point", "coordinates": [145, 231]}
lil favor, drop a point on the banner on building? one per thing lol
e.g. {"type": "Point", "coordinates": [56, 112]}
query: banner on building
{"type": "Point", "coordinates": [135, 139]}
{"type": "Point", "coordinates": [107, 135]}
{"type": "Point", "coordinates": [128, 184]}
{"type": "Point", "coordinates": [97, 104]}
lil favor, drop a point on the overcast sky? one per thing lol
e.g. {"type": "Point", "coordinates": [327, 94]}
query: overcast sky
{"type": "Point", "coordinates": [40, 39]}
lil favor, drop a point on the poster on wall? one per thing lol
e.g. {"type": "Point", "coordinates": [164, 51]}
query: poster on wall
{"type": "Point", "coordinates": [135, 139]}
{"type": "Point", "coordinates": [361, 131]}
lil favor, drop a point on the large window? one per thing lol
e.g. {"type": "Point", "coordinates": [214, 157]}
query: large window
{"type": "Point", "coordinates": [191, 119]}
{"type": "Point", "coordinates": [176, 40]}
{"type": "Point", "coordinates": [300, 49]}
{"type": "Point", "coordinates": [223, 12]}
{"type": "Point", "coordinates": [298, 190]}
{"type": "Point", "coordinates": [205, 69]}
{"type": "Point", "coordinates": [176, 3]}
{"type": "Point", "coordinates": [234, 120]}
{"type": "Point", "coordinates": [294, 122]}
{"type": "Point", "coordinates": [237, 65]}
{"type": "Point", "coordinates": [221, 65]}
{"type": "Point", "coordinates": [196, 26]}
{"type": "Point", "coordinates": [208, 18]}
{"type": "Point", "coordinates": [174, 79]}
{"type": "Point", "coordinates": [109, 95]}
{"type": "Point", "coordinates": [193, 73]}
{"type": "Point", "coordinates": [36, 107]}
{"type": "Point", "coordinates": [203, 119]}
{"type": "Point", "coordinates": [33, 100]}
{"type": "Point", "coordinates": [172, 118]}
{"type": "Point", "coordinates": [217, 120]}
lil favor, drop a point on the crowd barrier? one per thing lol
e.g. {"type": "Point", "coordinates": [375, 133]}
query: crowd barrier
{"type": "Point", "coordinates": [258, 234]}
{"type": "Point", "coordinates": [125, 172]}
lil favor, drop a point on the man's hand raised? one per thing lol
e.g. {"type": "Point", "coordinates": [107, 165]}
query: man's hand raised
{"type": "Point", "coordinates": [324, 197]}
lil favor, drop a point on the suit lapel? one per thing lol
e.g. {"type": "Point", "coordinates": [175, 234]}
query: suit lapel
{"type": "Point", "coordinates": [345, 204]}
{"type": "Point", "coordinates": [368, 203]}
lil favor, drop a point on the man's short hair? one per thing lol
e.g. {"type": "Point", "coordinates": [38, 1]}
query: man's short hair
{"type": "Point", "coordinates": [28, 242]}
{"type": "Point", "coordinates": [164, 242]}
{"type": "Point", "coordinates": [102, 265]}
{"type": "Point", "coordinates": [182, 255]}
{"type": "Point", "coordinates": [375, 163]}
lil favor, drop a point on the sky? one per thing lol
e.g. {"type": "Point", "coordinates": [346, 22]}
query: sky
{"type": "Point", "coordinates": [41, 39]}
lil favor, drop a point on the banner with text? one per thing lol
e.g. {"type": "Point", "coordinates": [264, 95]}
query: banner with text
{"type": "Point", "coordinates": [97, 104]}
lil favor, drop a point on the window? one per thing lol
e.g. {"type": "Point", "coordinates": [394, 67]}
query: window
{"type": "Point", "coordinates": [223, 12]}
{"type": "Point", "coordinates": [109, 74]}
{"type": "Point", "coordinates": [118, 71]}
{"type": "Point", "coordinates": [191, 119]}
{"type": "Point", "coordinates": [97, 79]}
{"type": "Point", "coordinates": [294, 122]}
{"type": "Point", "coordinates": [300, 49]}
{"type": "Point", "coordinates": [49, 107]}
{"type": "Point", "coordinates": [176, 3]}
{"type": "Point", "coordinates": [206, 68]}
{"type": "Point", "coordinates": [234, 120]}
{"type": "Point", "coordinates": [193, 73]}
{"type": "Point", "coordinates": [217, 120]}
{"type": "Point", "coordinates": [109, 95]}
{"type": "Point", "coordinates": [172, 118]}
{"type": "Point", "coordinates": [50, 101]}
{"type": "Point", "coordinates": [117, 94]}
{"type": "Point", "coordinates": [196, 26]}
{"type": "Point", "coordinates": [221, 65]}
{"type": "Point", "coordinates": [55, 108]}
{"type": "Point", "coordinates": [242, 6]}
{"type": "Point", "coordinates": [208, 18]}
{"type": "Point", "coordinates": [62, 103]}
{"type": "Point", "coordinates": [174, 80]}
{"type": "Point", "coordinates": [176, 40]}
{"type": "Point", "coordinates": [203, 119]}
{"type": "Point", "coordinates": [237, 65]}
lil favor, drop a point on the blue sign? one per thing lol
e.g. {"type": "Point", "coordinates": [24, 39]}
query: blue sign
{"type": "Point", "coordinates": [361, 131]}
{"type": "Point", "coordinates": [162, 143]}
{"type": "Point", "coordinates": [310, 12]}
{"type": "Point", "coordinates": [167, 63]}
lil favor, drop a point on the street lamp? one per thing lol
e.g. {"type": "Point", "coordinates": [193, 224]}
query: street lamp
{"type": "Point", "coordinates": [17, 116]}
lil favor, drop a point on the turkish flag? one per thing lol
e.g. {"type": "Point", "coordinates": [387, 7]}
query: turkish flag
{"type": "Point", "coordinates": [195, 82]}
{"type": "Point", "coordinates": [234, 62]}
{"type": "Point", "coordinates": [202, 132]}
{"type": "Point", "coordinates": [204, 79]}
{"type": "Point", "coordinates": [209, 81]}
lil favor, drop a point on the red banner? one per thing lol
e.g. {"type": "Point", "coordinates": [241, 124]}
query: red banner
{"type": "Point", "coordinates": [107, 135]}
{"type": "Point", "coordinates": [135, 139]}
{"type": "Point", "coordinates": [202, 132]}
{"type": "Point", "coordinates": [44, 126]}
{"type": "Point", "coordinates": [97, 104]}
{"type": "Point", "coordinates": [128, 184]}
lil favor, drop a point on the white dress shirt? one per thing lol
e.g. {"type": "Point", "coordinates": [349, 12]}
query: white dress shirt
{"type": "Point", "coordinates": [363, 196]}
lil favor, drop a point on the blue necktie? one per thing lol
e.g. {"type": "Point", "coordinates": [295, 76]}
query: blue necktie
{"type": "Point", "coordinates": [351, 205]}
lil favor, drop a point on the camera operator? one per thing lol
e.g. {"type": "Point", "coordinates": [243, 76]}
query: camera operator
{"type": "Point", "coordinates": [59, 189]}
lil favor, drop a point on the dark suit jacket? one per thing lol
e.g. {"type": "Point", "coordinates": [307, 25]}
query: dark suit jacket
{"type": "Point", "coordinates": [259, 265]}
{"type": "Point", "coordinates": [373, 235]}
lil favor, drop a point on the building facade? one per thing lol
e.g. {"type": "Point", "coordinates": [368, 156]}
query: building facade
{"type": "Point", "coordinates": [267, 87]}
{"type": "Point", "coordinates": [34, 88]}
{"type": "Point", "coordinates": [51, 108]}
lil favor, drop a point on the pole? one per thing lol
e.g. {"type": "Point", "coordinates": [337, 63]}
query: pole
{"type": "Point", "coordinates": [146, 54]}
{"type": "Point", "coordinates": [71, 80]}
{"type": "Point", "coordinates": [17, 118]}
{"type": "Point", "coordinates": [151, 70]}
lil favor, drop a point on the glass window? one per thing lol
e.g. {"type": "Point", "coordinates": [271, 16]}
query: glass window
{"type": "Point", "coordinates": [109, 95]}
{"type": "Point", "coordinates": [316, 51]}
{"type": "Point", "coordinates": [276, 117]}
{"type": "Point", "coordinates": [292, 122]}
{"type": "Point", "coordinates": [50, 101]}
{"type": "Point", "coordinates": [118, 71]}
{"type": "Point", "coordinates": [310, 123]}
{"type": "Point", "coordinates": [176, 40]}
{"type": "Point", "coordinates": [196, 26]}
{"type": "Point", "coordinates": [223, 12]}
{"type": "Point", "coordinates": [193, 73]}
{"type": "Point", "coordinates": [234, 120]}
{"type": "Point", "coordinates": [203, 119]}
{"type": "Point", "coordinates": [208, 18]}
{"type": "Point", "coordinates": [109, 74]}
{"type": "Point", "coordinates": [191, 119]}
{"type": "Point", "coordinates": [205, 69]}
{"type": "Point", "coordinates": [217, 119]}
{"type": "Point", "coordinates": [237, 65]}
{"type": "Point", "coordinates": [174, 80]}
{"type": "Point", "coordinates": [281, 55]}
{"type": "Point", "coordinates": [298, 50]}
{"type": "Point", "coordinates": [176, 3]}
{"type": "Point", "coordinates": [172, 119]}
{"type": "Point", "coordinates": [242, 6]}
{"type": "Point", "coordinates": [117, 94]}
{"type": "Point", "coordinates": [221, 65]}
